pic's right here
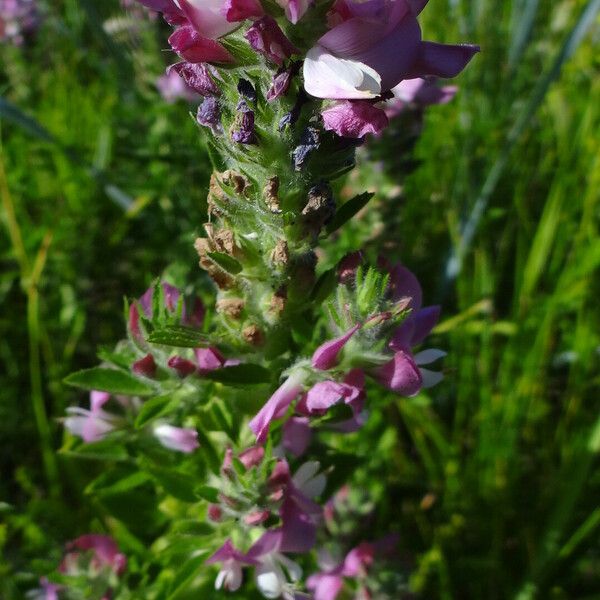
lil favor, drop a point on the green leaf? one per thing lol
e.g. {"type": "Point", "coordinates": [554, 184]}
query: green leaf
{"type": "Point", "coordinates": [186, 574]}
{"type": "Point", "coordinates": [244, 374]}
{"type": "Point", "coordinates": [117, 481]}
{"type": "Point", "coordinates": [348, 210]}
{"type": "Point", "coordinates": [179, 336]}
{"type": "Point", "coordinates": [325, 285]}
{"type": "Point", "coordinates": [107, 449]}
{"type": "Point", "coordinates": [193, 527]}
{"type": "Point", "coordinates": [109, 380]}
{"type": "Point", "coordinates": [208, 451]}
{"type": "Point", "coordinates": [153, 409]}
{"type": "Point", "coordinates": [178, 485]}
{"type": "Point", "coordinates": [210, 494]}
{"type": "Point", "coordinates": [226, 262]}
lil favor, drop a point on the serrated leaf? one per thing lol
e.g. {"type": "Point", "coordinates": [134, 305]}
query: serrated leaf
{"type": "Point", "coordinates": [153, 409]}
{"type": "Point", "coordinates": [179, 336]}
{"type": "Point", "coordinates": [244, 374]}
{"type": "Point", "coordinates": [210, 494]}
{"type": "Point", "coordinates": [109, 380]}
{"type": "Point", "coordinates": [226, 262]}
{"type": "Point", "coordinates": [348, 210]}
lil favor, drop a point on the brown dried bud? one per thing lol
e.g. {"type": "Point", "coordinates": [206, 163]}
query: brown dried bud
{"type": "Point", "coordinates": [271, 193]}
{"type": "Point", "coordinates": [230, 307]}
{"type": "Point", "coordinates": [253, 335]}
{"type": "Point", "coordinates": [203, 246]}
{"type": "Point", "coordinates": [278, 301]}
{"type": "Point", "coordinates": [281, 254]}
{"type": "Point", "coordinates": [224, 241]}
{"type": "Point", "coordinates": [235, 180]}
{"type": "Point", "coordinates": [216, 196]}
{"type": "Point", "coordinates": [319, 209]}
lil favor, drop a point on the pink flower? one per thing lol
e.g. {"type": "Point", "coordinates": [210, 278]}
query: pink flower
{"type": "Point", "coordinates": [354, 119]}
{"type": "Point", "coordinates": [104, 551]}
{"type": "Point", "coordinates": [181, 439]}
{"type": "Point", "coordinates": [377, 45]}
{"type": "Point", "coordinates": [91, 425]}
{"type": "Point", "coordinates": [266, 37]}
{"type": "Point", "coordinates": [208, 17]}
{"type": "Point", "coordinates": [232, 560]}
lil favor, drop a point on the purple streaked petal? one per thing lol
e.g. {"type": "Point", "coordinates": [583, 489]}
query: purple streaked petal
{"type": "Point", "coordinates": [276, 406]}
{"type": "Point", "coordinates": [209, 359]}
{"type": "Point", "coordinates": [325, 356]}
{"type": "Point", "coordinates": [197, 77]}
{"type": "Point", "coordinates": [240, 10]}
{"type": "Point", "coordinates": [266, 37]}
{"type": "Point", "coordinates": [325, 586]}
{"type": "Point", "coordinates": [297, 435]}
{"type": "Point", "coordinates": [424, 321]}
{"type": "Point", "coordinates": [228, 552]}
{"type": "Point", "coordinates": [194, 48]}
{"type": "Point", "coordinates": [207, 17]}
{"type": "Point", "coordinates": [270, 541]}
{"type": "Point", "coordinates": [98, 399]}
{"type": "Point", "coordinates": [400, 375]}
{"type": "Point", "coordinates": [354, 119]}
{"type": "Point", "coordinates": [442, 60]}
{"type": "Point", "coordinates": [404, 284]}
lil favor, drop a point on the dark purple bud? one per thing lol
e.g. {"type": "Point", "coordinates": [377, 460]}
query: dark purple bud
{"type": "Point", "coordinates": [197, 77]}
{"type": "Point", "coordinates": [291, 117]}
{"type": "Point", "coordinates": [244, 134]}
{"type": "Point", "coordinates": [309, 141]}
{"type": "Point", "coordinates": [183, 366]}
{"type": "Point", "coordinates": [266, 37]}
{"type": "Point", "coordinates": [209, 115]}
{"type": "Point", "coordinates": [145, 366]}
{"type": "Point", "coordinates": [282, 80]}
{"type": "Point", "coordinates": [246, 89]}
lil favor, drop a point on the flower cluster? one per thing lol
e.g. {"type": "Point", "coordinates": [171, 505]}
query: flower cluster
{"type": "Point", "coordinates": [288, 88]}
{"type": "Point", "coordinates": [18, 18]}
{"type": "Point", "coordinates": [338, 368]}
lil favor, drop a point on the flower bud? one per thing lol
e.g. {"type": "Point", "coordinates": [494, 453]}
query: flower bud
{"type": "Point", "coordinates": [145, 366]}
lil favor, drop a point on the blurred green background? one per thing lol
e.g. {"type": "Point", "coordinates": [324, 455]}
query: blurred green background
{"type": "Point", "coordinates": [103, 186]}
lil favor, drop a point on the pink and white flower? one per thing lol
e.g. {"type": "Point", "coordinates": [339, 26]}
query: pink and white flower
{"type": "Point", "coordinates": [373, 47]}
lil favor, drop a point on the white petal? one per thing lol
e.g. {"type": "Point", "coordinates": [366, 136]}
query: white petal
{"type": "Point", "coordinates": [326, 76]}
{"type": "Point", "coordinates": [430, 378]}
{"type": "Point", "coordinates": [269, 580]}
{"type": "Point", "coordinates": [233, 581]}
{"type": "Point", "coordinates": [305, 472]}
{"type": "Point", "coordinates": [293, 569]}
{"type": "Point", "coordinates": [428, 356]}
